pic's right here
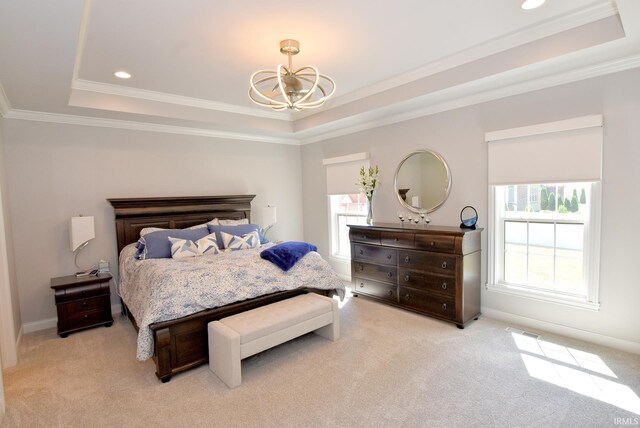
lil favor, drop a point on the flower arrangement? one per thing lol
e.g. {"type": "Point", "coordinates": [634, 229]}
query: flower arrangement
{"type": "Point", "coordinates": [368, 181]}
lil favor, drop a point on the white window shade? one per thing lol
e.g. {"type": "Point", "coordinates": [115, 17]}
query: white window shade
{"type": "Point", "coordinates": [556, 152]}
{"type": "Point", "coordinates": [343, 172]}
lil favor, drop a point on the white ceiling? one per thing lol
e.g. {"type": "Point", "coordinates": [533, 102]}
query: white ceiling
{"type": "Point", "coordinates": [191, 60]}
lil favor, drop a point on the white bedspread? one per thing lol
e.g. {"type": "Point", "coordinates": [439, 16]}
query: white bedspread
{"type": "Point", "coordinates": [165, 289]}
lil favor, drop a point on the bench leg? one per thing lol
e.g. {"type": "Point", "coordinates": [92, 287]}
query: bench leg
{"type": "Point", "coordinates": [331, 331]}
{"type": "Point", "coordinates": [224, 354]}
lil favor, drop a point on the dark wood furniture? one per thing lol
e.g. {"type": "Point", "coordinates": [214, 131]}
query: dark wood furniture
{"type": "Point", "coordinates": [426, 269]}
{"type": "Point", "coordinates": [82, 302]}
{"type": "Point", "coordinates": [182, 344]}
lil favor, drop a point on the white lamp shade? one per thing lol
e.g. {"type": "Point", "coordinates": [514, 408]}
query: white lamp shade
{"type": "Point", "coordinates": [81, 230]}
{"type": "Point", "coordinates": [268, 216]}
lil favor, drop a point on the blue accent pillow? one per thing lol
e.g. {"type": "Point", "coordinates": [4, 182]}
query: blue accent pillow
{"type": "Point", "coordinates": [156, 245]}
{"type": "Point", "coordinates": [237, 230]}
{"type": "Point", "coordinates": [287, 254]}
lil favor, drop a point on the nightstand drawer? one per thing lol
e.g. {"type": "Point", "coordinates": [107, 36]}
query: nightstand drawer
{"type": "Point", "coordinates": [88, 304]}
{"type": "Point", "coordinates": [87, 318]}
{"type": "Point", "coordinates": [82, 292]}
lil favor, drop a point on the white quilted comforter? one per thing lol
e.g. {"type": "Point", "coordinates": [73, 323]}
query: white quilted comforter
{"type": "Point", "coordinates": [165, 289]}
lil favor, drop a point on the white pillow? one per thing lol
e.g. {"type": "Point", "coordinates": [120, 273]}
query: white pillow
{"type": "Point", "coordinates": [228, 222]}
{"type": "Point", "coordinates": [183, 248]}
{"type": "Point", "coordinates": [244, 242]}
{"type": "Point", "coordinates": [154, 229]}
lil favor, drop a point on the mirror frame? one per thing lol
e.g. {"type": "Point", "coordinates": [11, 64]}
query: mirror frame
{"type": "Point", "coordinates": [448, 190]}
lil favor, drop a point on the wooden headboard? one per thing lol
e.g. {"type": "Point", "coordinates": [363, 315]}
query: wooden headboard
{"type": "Point", "coordinates": [134, 214]}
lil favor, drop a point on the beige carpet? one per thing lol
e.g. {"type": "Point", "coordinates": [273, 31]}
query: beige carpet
{"type": "Point", "coordinates": [390, 368]}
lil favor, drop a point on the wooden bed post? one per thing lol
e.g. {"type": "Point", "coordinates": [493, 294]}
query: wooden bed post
{"type": "Point", "coordinates": [163, 354]}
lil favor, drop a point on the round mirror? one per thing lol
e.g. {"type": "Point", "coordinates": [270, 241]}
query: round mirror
{"type": "Point", "coordinates": [423, 181]}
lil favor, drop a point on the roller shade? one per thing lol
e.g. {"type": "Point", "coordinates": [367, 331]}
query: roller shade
{"type": "Point", "coordinates": [342, 173]}
{"type": "Point", "coordinates": [563, 151]}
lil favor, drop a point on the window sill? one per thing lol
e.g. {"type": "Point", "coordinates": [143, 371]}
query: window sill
{"type": "Point", "coordinates": [542, 296]}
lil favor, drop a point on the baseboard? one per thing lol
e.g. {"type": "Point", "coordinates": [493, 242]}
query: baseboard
{"type": "Point", "coordinates": [599, 339]}
{"type": "Point", "coordinates": [19, 339]}
{"type": "Point", "coordinates": [34, 326]}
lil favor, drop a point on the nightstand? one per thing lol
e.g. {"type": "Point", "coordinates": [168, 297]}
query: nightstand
{"type": "Point", "coordinates": [82, 302]}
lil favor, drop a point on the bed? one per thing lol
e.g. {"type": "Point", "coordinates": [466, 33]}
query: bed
{"type": "Point", "coordinates": [181, 343]}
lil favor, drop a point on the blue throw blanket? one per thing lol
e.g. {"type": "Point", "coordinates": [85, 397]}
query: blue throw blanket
{"type": "Point", "coordinates": [287, 254]}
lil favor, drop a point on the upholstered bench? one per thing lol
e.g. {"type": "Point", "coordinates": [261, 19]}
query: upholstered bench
{"type": "Point", "coordinates": [242, 335]}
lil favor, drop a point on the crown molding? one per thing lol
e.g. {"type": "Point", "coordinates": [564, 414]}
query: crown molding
{"type": "Point", "coordinates": [481, 91]}
{"type": "Point", "coordinates": [163, 97]}
{"type": "Point", "coordinates": [5, 105]}
{"type": "Point", "coordinates": [69, 119]}
{"type": "Point", "coordinates": [597, 11]}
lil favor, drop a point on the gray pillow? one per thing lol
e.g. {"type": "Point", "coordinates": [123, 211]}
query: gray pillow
{"type": "Point", "coordinates": [238, 230]}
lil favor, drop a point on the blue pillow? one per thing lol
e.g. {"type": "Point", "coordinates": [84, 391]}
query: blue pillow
{"type": "Point", "coordinates": [287, 254]}
{"type": "Point", "coordinates": [156, 245]}
{"type": "Point", "coordinates": [238, 230]}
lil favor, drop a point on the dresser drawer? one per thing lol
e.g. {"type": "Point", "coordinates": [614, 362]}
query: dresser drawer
{"type": "Point", "coordinates": [367, 236]}
{"type": "Point", "coordinates": [443, 244]}
{"type": "Point", "coordinates": [387, 256]}
{"type": "Point", "coordinates": [382, 273]}
{"type": "Point", "coordinates": [442, 306]}
{"type": "Point", "coordinates": [391, 239]}
{"type": "Point", "coordinates": [376, 289]}
{"type": "Point", "coordinates": [82, 292]}
{"type": "Point", "coordinates": [424, 260]}
{"type": "Point", "coordinates": [423, 280]}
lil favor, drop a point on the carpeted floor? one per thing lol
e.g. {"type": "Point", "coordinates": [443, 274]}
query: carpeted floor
{"type": "Point", "coordinates": [390, 368]}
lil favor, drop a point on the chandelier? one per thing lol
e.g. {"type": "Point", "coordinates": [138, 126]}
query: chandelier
{"type": "Point", "coordinates": [286, 88]}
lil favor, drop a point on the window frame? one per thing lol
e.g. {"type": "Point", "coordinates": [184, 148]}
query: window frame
{"type": "Point", "coordinates": [334, 226]}
{"type": "Point", "coordinates": [591, 251]}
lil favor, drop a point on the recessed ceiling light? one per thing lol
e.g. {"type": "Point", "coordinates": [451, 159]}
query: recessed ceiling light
{"type": "Point", "coordinates": [532, 4]}
{"type": "Point", "coordinates": [122, 74]}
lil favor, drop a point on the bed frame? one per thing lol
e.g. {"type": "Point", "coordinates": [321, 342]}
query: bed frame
{"type": "Point", "coordinates": [181, 344]}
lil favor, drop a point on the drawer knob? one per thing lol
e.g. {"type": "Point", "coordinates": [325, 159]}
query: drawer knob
{"type": "Point", "coordinates": [444, 285]}
{"type": "Point", "coordinates": [444, 306]}
{"type": "Point", "coordinates": [407, 259]}
{"type": "Point", "coordinates": [406, 278]}
{"type": "Point", "coordinates": [395, 239]}
{"type": "Point", "coordinates": [444, 265]}
{"type": "Point", "coordinates": [86, 316]}
{"type": "Point", "coordinates": [389, 274]}
{"type": "Point", "coordinates": [362, 285]}
{"type": "Point", "coordinates": [360, 268]}
{"type": "Point", "coordinates": [361, 252]}
{"type": "Point", "coordinates": [84, 303]}
{"type": "Point", "coordinates": [390, 292]}
{"type": "Point", "coordinates": [432, 243]}
{"type": "Point", "coordinates": [389, 256]}
{"type": "Point", "coordinates": [407, 297]}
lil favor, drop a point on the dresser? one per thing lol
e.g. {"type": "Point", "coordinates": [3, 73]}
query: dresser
{"type": "Point", "coordinates": [82, 302]}
{"type": "Point", "coordinates": [432, 270]}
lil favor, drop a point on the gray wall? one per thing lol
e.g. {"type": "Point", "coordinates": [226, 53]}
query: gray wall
{"type": "Point", "coordinates": [458, 136]}
{"type": "Point", "coordinates": [56, 171]}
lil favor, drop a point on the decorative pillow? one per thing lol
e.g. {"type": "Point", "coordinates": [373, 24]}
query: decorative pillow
{"type": "Point", "coordinates": [155, 245]}
{"type": "Point", "coordinates": [140, 244]}
{"type": "Point", "coordinates": [183, 248]}
{"type": "Point", "coordinates": [244, 242]}
{"type": "Point", "coordinates": [227, 222]}
{"type": "Point", "coordinates": [287, 254]}
{"type": "Point", "coordinates": [239, 230]}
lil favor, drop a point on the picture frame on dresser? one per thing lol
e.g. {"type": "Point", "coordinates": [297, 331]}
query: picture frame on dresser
{"type": "Point", "coordinates": [430, 270]}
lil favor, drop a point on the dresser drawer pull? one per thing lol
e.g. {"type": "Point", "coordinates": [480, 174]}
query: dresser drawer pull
{"type": "Point", "coordinates": [86, 316]}
{"type": "Point", "coordinates": [362, 285]}
{"type": "Point", "coordinates": [389, 274]}
{"type": "Point", "coordinates": [361, 252]}
{"type": "Point", "coordinates": [407, 297]}
{"type": "Point", "coordinates": [363, 236]}
{"type": "Point", "coordinates": [444, 306]}
{"type": "Point", "coordinates": [433, 243]}
{"type": "Point", "coordinates": [444, 285]}
{"type": "Point", "coordinates": [84, 304]}
{"type": "Point", "coordinates": [444, 265]}
{"type": "Point", "coordinates": [390, 292]}
{"type": "Point", "coordinates": [360, 268]}
{"type": "Point", "coordinates": [389, 256]}
{"type": "Point", "coordinates": [406, 278]}
{"type": "Point", "coordinates": [407, 259]}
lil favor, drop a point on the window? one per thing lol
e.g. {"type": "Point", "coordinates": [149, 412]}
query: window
{"type": "Point", "coordinates": [544, 248]}
{"type": "Point", "coordinates": [544, 209]}
{"type": "Point", "coordinates": [345, 209]}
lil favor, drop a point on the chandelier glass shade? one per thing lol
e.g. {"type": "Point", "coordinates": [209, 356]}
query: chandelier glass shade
{"type": "Point", "coordinates": [286, 88]}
